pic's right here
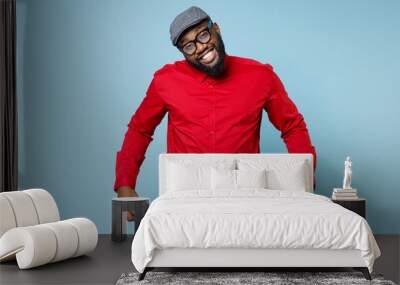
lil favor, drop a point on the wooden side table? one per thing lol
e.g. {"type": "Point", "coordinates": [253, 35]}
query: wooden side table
{"type": "Point", "coordinates": [357, 205]}
{"type": "Point", "coordinates": [120, 206]}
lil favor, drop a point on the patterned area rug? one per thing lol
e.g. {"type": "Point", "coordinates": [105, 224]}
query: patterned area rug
{"type": "Point", "coordinates": [275, 278]}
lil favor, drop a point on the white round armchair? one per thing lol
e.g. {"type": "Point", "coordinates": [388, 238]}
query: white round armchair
{"type": "Point", "coordinates": [31, 231]}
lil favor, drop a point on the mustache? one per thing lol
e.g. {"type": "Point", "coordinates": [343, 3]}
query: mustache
{"type": "Point", "coordinates": [205, 51]}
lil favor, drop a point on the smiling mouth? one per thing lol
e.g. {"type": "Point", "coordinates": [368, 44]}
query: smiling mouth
{"type": "Point", "coordinates": [209, 56]}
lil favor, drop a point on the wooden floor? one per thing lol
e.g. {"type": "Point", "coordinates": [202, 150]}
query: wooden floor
{"type": "Point", "coordinates": [111, 259]}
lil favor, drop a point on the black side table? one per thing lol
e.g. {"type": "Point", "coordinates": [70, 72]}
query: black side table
{"type": "Point", "coordinates": [356, 205]}
{"type": "Point", "coordinates": [120, 206]}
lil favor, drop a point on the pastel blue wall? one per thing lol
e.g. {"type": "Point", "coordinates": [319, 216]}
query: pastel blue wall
{"type": "Point", "coordinates": [84, 67]}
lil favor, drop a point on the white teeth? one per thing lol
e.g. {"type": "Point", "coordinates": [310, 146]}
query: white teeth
{"type": "Point", "coordinates": [208, 54]}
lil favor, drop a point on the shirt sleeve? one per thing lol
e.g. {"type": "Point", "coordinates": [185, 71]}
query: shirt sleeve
{"type": "Point", "coordinates": [284, 115]}
{"type": "Point", "coordinates": [140, 132]}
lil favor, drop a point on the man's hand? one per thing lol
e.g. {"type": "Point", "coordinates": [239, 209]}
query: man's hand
{"type": "Point", "coordinates": [126, 191]}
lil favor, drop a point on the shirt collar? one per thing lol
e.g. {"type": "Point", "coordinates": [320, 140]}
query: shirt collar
{"type": "Point", "coordinates": [200, 75]}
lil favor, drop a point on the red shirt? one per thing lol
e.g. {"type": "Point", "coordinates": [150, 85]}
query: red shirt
{"type": "Point", "coordinates": [207, 115]}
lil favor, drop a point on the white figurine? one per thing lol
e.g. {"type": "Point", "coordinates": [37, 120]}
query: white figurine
{"type": "Point", "coordinates": [347, 174]}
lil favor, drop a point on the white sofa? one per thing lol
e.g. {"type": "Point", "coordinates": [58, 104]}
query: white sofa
{"type": "Point", "coordinates": [31, 231]}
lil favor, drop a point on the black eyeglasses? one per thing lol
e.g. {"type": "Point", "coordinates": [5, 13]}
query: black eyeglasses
{"type": "Point", "coordinates": [203, 37]}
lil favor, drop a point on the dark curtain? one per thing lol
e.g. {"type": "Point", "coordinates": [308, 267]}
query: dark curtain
{"type": "Point", "coordinates": [8, 100]}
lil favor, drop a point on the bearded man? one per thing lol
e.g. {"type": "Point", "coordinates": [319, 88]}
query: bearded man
{"type": "Point", "coordinates": [214, 102]}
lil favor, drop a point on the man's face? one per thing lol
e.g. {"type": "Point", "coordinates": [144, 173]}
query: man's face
{"type": "Point", "coordinates": [208, 57]}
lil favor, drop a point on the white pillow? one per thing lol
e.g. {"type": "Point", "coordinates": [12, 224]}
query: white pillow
{"type": "Point", "coordinates": [223, 179]}
{"type": "Point", "coordinates": [236, 179]}
{"type": "Point", "coordinates": [281, 174]}
{"type": "Point", "coordinates": [289, 179]}
{"type": "Point", "coordinates": [188, 174]}
{"type": "Point", "coordinates": [187, 177]}
{"type": "Point", "coordinates": [251, 178]}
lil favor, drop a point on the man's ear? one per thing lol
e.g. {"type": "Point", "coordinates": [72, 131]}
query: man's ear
{"type": "Point", "coordinates": [216, 27]}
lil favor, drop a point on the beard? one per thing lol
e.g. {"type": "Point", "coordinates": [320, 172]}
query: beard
{"type": "Point", "coordinates": [218, 67]}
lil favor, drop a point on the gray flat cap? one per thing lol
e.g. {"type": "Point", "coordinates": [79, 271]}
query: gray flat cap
{"type": "Point", "coordinates": [184, 20]}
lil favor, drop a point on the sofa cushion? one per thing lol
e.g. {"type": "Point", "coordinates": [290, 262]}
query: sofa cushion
{"type": "Point", "coordinates": [7, 215]}
{"type": "Point", "coordinates": [27, 208]}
